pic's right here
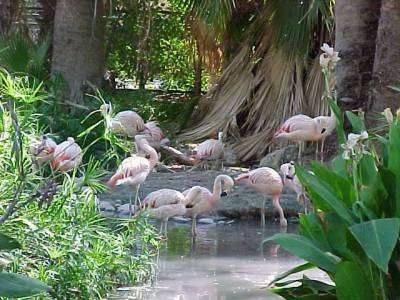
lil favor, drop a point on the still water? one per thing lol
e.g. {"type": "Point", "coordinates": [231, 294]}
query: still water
{"type": "Point", "coordinates": [226, 261]}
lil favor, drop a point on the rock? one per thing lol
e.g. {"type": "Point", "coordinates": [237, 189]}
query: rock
{"type": "Point", "coordinates": [205, 221]}
{"type": "Point", "coordinates": [124, 209]}
{"type": "Point", "coordinates": [106, 206]}
{"type": "Point", "coordinates": [181, 219]}
{"type": "Point", "coordinates": [278, 157]}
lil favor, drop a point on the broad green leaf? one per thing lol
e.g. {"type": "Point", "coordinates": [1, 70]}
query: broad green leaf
{"type": "Point", "coordinates": [378, 239]}
{"type": "Point", "coordinates": [294, 270]}
{"type": "Point", "coordinates": [351, 282]}
{"type": "Point", "coordinates": [389, 181]}
{"type": "Point", "coordinates": [356, 122]}
{"type": "Point", "coordinates": [394, 159]}
{"type": "Point", "coordinates": [339, 166]}
{"type": "Point", "coordinates": [304, 248]}
{"type": "Point", "coordinates": [323, 195]}
{"type": "Point", "coordinates": [340, 121]}
{"type": "Point", "coordinates": [311, 227]}
{"type": "Point", "coordinates": [16, 286]}
{"type": "Point", "coordinates": [372, 192]}
{"type": "Point", "coordinates": [343, 187]}
{"type": "Point", "coordinates": [8, 243]}
{"type": "Point", "coordinates": [336, 232]}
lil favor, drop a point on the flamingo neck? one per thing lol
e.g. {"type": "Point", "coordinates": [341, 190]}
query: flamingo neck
{"type": "Point", "coordinates": [192, 195]}
{"type": "Point", "coordinates": [151, 152]}
{"type": "Point", "coordinates": [217, 189]}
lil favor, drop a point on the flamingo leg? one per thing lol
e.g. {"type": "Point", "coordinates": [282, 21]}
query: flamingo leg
{"type": "Point", "coordinates": [299, 153]}
{"type": "Point", "coordinates": [137, 200]}
{"type": "Point", "coordinates": [277, 206]}
{"type": "Point", "coordinates": [263, 213]}
{"type": "Point", "coordinates": [130, 205]}
{"type": "Point", "coordinates": [194, 226]}
{"type": "Point", "coordinates": [166, 227]}
{"type": "Point", "coordinates": [316, 151]}
{"type": "Point", "coordinates": [322, 150]}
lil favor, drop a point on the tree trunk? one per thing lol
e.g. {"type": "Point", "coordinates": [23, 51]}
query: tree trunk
{"type": "Point", "coordinates": [78, 44]}
{"type": "Point", "coordinates": [387, 58]}
{"type": "Point", "coordinates": [5, 16]}
{"type": "Point", "coordinates": [143, 46]}
{"type": "Point", "coordinates": [356, 29]}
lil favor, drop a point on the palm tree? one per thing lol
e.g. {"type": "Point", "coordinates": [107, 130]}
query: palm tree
{"type": "Point", "coordinates": [386, 70]}
{"type": "Point", "coordinates": [356, 25]}
{"type": "Point", "coordinates": [275, 74]}
{"type": "Point", "coordinates": [78, 44]}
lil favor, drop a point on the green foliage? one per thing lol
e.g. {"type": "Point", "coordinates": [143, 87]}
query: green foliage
{"type": "Point", "coordinates": [18, 53]}
{"type": "Point", "coordinates": [16, 285]}
{"type": "Point", "coordinates": [65, 242]}
{"type": "Point", "coordinates": [168, 52]}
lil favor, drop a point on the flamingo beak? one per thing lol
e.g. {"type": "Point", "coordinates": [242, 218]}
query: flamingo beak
{"type": "Point", "coordinates": [224, 193]}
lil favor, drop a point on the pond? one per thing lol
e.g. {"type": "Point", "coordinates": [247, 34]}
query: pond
{"type": "Point", "coordinates": [226, 261]}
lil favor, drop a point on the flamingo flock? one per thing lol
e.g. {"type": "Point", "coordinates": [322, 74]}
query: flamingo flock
{"type": "Point", "coordinates": [166, 203]}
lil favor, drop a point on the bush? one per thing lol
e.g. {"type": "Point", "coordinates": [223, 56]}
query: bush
{"type": "Point", "coordinates": [65, 242]}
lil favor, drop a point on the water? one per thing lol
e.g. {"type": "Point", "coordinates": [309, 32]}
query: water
{"type": "Point", "coordinates": [224, 262]}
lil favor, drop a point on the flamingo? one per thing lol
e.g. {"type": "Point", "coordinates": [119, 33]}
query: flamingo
{"type": "Point", "coordinates": [207, 200]}
{"type": "Point", "coordinates": [328, 124]}
{"type": "Point", "coordinates": [269, 183]}
{"type": "Point", "coordinates": [291, 180]}
{"type": "Point", "coordinates": [302, 128]}
{"type": "Point", "coordinates": [166, 203]}
{"type": "Point", "coordinates": [134, 169]}
{"type": "Point", "coordinates": [67, 156]}
{"type": "Point", "coordinates": [42, 151]}
{"type": "Point", "coordinates": [126, 122]}
{"type": "Point", "coordinates": [154, 135]}
{"type": "Point", "coordinates": [208, 150]}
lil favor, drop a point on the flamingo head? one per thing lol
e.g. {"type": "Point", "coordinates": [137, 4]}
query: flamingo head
{"type": "Point", "coordinates": [288, 170]}
{"type": "Point", "coordinates": [106, 109]}
{"type": "Point", "coordinates": [228, 184]}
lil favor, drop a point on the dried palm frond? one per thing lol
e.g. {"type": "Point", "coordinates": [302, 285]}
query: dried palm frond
{"type": "Point", "coordinates": [265, 83]}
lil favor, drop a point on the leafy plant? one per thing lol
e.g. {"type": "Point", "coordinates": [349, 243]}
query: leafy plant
{"type": "Point", "coordinates": [16, 285]}
{"type": "Point", "coordinates": [353, 235]}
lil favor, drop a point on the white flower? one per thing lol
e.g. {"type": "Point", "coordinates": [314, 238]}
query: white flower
{"type": "Point", "coordinates": [354, 144]}
{"type": "Point", "coordinates": [329, 57]}
{"type": "Point", "coordinates": [387, 113]}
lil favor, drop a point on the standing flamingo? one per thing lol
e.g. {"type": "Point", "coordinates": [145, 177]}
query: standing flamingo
{"type": "Point", "coordinates": [328, 124]}
{"type": "Point", "coordinates": [126, 122]}
{"type": "Point", "coordinates": [166, 203]}
{"type": "Point", "coordinates": [67, 156]}
{"type": "Point", "coordinates": [207, 200]}
{"type": "Point", "coordinates": [302, 128]}
{"type": "Point", "coordinates": [42, 151]}
{"type": "Point", "coordinates": [269, 183]}
{"type": "Point", "coordinates": [291, 180]}
{"type": "Point", "coordinates": [135, 169]}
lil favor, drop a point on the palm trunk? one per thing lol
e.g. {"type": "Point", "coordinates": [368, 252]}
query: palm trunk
{"type": "Point", "coordinates": [5, 16]}
{"type": "Point", "coordinates": [387, 58]}
{"type": "Point", "coordinates": [143, 47]}
{"type": "Point", "coordinates": [356, 28]}
{"type": "Point", "coordinates": [78, 47]}
{"type": "Point", "coordinates": [198, 71]}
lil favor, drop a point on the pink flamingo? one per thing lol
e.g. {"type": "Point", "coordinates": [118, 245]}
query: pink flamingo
{"type": "Point", "coordinates": [166, 203]}
{"type": "Point", "coordinates": [126, 122]}
{"type": "Point", "coordinates": [207, 200]}
{"type": "Point", "coordinates": [154, 135]}
{"type": "Point", "coordinates": [292, 182]}
{"type": "Point", "coordinates": [135, 169]}
{"type": "Point", "coordinates": [42, 151]}
{"type": "Point", "coordinates": [67, 156]}
{"type": "Point", "coordinates": [269, 183]}
{"type": "Point", "coordinates": [210, 149]}
{"type": "Point", "coordinates": [302, 128]}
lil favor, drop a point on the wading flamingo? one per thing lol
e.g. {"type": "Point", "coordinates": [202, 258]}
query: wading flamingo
{"type": "Point", "coordinates": [269, 183]}
{"type": "Point", "coordinates": [166, 203]}
{"type": "Point", "coordinates": [127, 122]}
{"type": "Point", "coordinates": [134, 170]}
{"type": "Point", "coordinates": [42, 150]}
{"type": "Point", "coordinates": [67, 156]}
{"type": "Point", "coordinates": [207, 200]}
{"type": "Point", "coordinates": [291, 181]}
